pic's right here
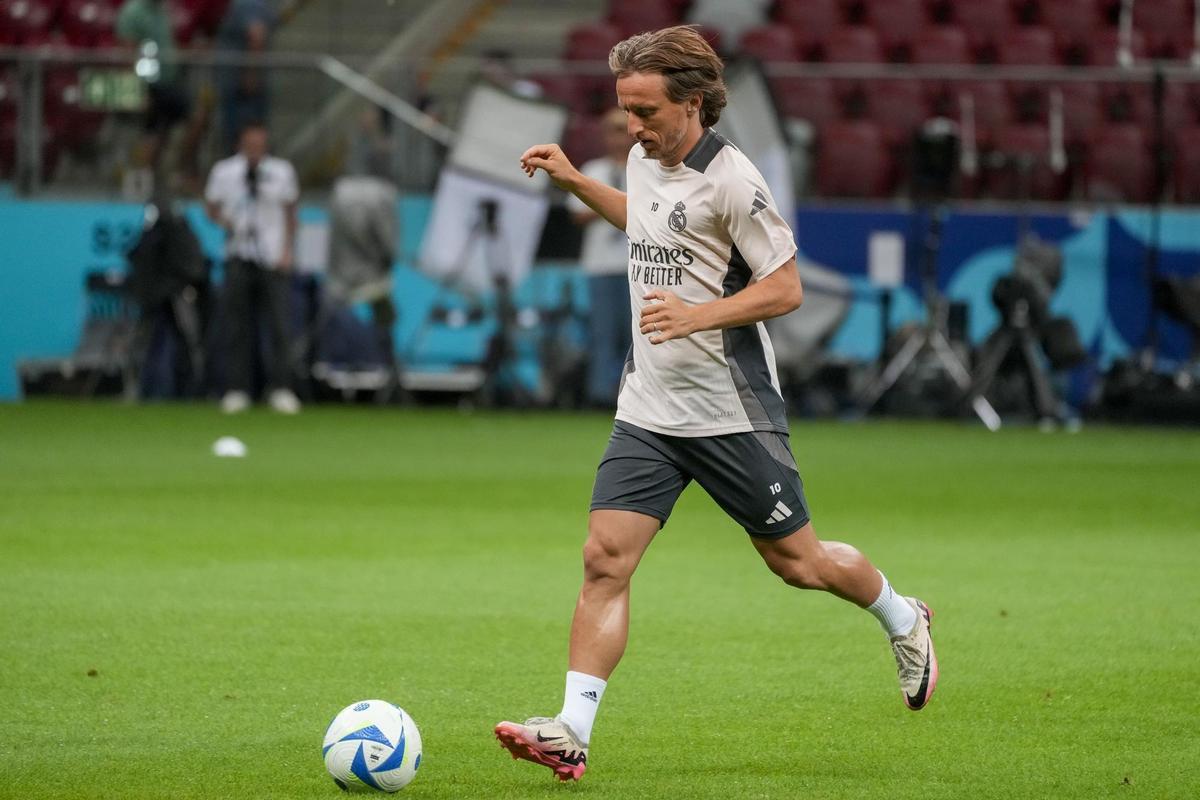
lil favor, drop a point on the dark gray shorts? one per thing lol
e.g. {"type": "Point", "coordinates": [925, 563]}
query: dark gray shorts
{"type": "Point", "coordinates": [752, 476]}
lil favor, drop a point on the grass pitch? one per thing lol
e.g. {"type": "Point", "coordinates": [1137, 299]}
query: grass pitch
{"type": "Point", "coordinates": [180, 626]}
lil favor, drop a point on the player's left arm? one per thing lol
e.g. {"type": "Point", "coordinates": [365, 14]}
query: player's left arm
{"type": "Point", "coordinates": [777, 294]}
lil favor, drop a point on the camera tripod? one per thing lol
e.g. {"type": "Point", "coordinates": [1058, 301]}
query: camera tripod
{"type": "Point", "coordinates": [931, 337]}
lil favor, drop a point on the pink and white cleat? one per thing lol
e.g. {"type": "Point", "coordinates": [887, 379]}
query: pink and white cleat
{"type": "Point", "coordinates": [916, 663]}
{"type": "Point", "coordinates": [545, 741]}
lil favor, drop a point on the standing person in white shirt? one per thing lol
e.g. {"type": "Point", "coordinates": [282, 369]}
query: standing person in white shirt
{"type": "Point", "coordinates": [254, 197]}
{"type": "Point", "coordinates": [710, 258]}
{"type": "Point", "coordinates": [605, 261]}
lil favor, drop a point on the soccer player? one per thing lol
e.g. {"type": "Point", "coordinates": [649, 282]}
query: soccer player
{"type": "Point", "coordinates": [710, 258]}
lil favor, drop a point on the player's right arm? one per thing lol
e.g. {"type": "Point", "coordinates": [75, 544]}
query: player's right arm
{"type": "Point", "coordinates": [600, 197]}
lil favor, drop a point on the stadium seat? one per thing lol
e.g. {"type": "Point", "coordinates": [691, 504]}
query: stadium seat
{"type": "Point", "coordinates": [88, 23]}
{"type": "Point", "coordinates": [209, 14]}
{"type": "Point", "coordinates": [591, 41]}
{"type": "Point", "coordinates": [1026, 46]}
{"type": "Point", "coordinates": [1134, 102]}
{"type": "Point", "coordinates": [941, 44]}
{"type": "Point", "coordinates": [770, 44]}
{"type": "Point", "coordinates": [853, 44]}
{"type": "Point", "coordinates": [853, 161]}
{"type": "Point", "coordinates": [1187, 164]}
{"type": "Point", "coordinates": [185, 23]}
{"type": "Point", "coordinates": [1118, 166]}
{"type": "Point", "coordinates": [1082, 109]}
{"type": "Point", "coordinates": [812, 99]}
{"type": "Point", "coordinates": [897, 107]}
{"type": "Point", "coordinates": [983, 21]}
{"type": "Point", "coordinates": [1102, 48]}
{"type": "Point", "coordinates": [992, 107]}
{"type": "Point", "coordinates": [639, 16]}
{"type": "Point", "coordinates": [1167, 25]}
{"type": "Point", "coordinates": [1014, 143]}
{"type": "Point", "coordinates": [26, 22]}
{"type": "Point", "coordinates": [1074, 23]}
{"type": "Point", "coordinates": [563, 87]}
{"type": "Point", "coordinates": [583, 139]}
{"type": "Point", "coordinates": [897, 22]}
{"type": "Point", "coordinates": [810, 22]}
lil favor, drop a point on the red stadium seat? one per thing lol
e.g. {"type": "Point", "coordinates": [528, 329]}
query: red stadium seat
{"type": "Point", "coordinates": [897, 107]}
{"type": "Point", "coordinates": [853, 44]}
{"type": "Point", "coordinates": [897, 22]}
{"type": "Point", "coordinates": [1029, 143]}
{"type": "Point", "coordinates": [583, 139]}
{"type": "Point", "coordinates": [941, 44]}
{"type": "Point", "coordinates": [26, 22]}
{"type": "Point", "coordinates": [1102, 48]}
{"type": "Point", "coordinates": [208, 13]}
{"type": "Point", "coordinates": [1082, 109]}
{"type": "Point", "coordinates": [1026, 46]}
{"type": "Point", "coordinates": [563, 88]}
{"type": "Point", "coordinates": [1074, 23]}
{"type": "Point", "coordinates": [639, 16]}
{"type": "Point", "coordinates": [853, 161]}
{"type": "Point", "coordinates": [1119, 166]}
{"type": "Point", "coordinates": [1134, 102]}
{"type": "Point", "coordinates": [770, 43]}
{"type": "Point", "coordinates": [88, 23]}
{"type": "Point", "coordinates": [1187, 164]}
{"type": "Point", "coordinates": [983, 21]}
{"type": "Point", "coordinates": [810, 22]}
{"type": "Point", "coordinates": [1167, 25]}
{"type": "Point", "coordinates": [991, 106]}
{"type": "Point", "coordinates": [185, 23]}
{"type": "Point", "coordinates": [812, 99]}
{"type": "Point", "coordinates": [8, 96]}
{"type": "Point", "coordinates": [591, 41]}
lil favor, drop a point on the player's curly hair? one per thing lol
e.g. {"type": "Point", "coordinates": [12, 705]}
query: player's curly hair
{"type": "Point", "coordinates": [684, 58]}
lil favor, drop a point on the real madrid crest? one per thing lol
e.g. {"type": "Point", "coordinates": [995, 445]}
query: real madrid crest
{"type": "Point", "coordinates": [677, 220]}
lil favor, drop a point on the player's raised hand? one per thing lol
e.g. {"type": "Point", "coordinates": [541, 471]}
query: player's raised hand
{"type": "Point", "coordinates": [553, 160]}
{"type": "Point", "coordinates": [668, 318]}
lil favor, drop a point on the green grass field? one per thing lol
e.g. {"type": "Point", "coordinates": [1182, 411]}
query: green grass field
{"type": "Point", "coordinates": [181, 626]}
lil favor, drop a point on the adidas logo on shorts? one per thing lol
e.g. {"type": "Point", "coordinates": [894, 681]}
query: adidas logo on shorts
{"type": "Point", "coordinates": [780, 513]}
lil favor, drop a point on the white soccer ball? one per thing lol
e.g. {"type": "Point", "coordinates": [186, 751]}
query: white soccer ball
{"type": "Point", "coordinates": [372, 745]}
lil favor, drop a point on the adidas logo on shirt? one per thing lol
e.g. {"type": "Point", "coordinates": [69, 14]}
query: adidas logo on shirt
{"type": "Point", "coordinates": [760, 202]}
{"type": "Point", "coordinates": [780, 513]}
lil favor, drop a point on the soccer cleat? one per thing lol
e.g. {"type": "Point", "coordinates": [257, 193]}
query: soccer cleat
{"type": "Point", "coordinates": [545, 741]}
{"type": "Point", "coordinates": [916, 662]}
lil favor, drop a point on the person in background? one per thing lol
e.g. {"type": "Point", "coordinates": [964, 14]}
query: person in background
{"type": "Point", "coordinates": [253, 196]}
{"type": "Point", "coordinates": [605, 261]}
{"type": "Point", "coordinates": [245, 31]}
{"type": "Point", "coordinates": [146, 25]}
{"type": "Point", "coordinates": [364, 235]}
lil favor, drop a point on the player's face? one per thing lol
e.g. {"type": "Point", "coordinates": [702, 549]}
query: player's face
{"type": "Point", "coordinates": [662, 126]}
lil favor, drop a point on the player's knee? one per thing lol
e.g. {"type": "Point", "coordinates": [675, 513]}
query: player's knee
{"type": "Point", "coordinates": [803, 573]}
{"type": "Point", "coordinates": [603, 560]}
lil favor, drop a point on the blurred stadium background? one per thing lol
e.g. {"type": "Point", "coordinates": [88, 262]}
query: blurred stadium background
{"type": "Point", "coordinates": [1074, 129]}
{"type": "Point", "coordinates": [995, 204]}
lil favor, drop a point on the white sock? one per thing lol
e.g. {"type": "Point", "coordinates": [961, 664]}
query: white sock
{"type": "Point", "coordinates": [893, 611]}
{"type": "Point", "coordinates": [580, 703]}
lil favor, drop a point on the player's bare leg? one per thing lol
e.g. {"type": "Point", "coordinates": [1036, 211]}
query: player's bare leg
{"type": "Point", "coordinates": [616, 542]}
{"type": "Point", "coordinates": [615, 545]}
{"type": "Point", "coordinates": [804, 561]}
